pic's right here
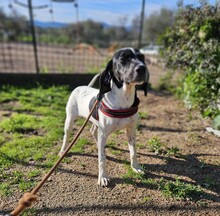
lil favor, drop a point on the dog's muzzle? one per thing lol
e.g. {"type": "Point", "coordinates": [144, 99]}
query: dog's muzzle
{"type": "Point", "coordinates": [141, 73]}
{"type": "Point", "coordinates": [141, 70]}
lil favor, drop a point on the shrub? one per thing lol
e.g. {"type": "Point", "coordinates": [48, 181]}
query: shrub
{"type": "Point", "coordinates": [193, 45]}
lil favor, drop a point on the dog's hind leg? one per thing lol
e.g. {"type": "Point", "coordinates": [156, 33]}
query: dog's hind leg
{"type": "Point", "coordinates": [93, 131]}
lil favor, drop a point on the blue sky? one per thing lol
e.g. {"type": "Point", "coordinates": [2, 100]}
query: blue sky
{"type": "Point", "coordinates": [113, 12]}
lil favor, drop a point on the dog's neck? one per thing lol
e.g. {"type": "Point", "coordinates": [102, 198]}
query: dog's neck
{"type": "Point", "coordinates": [120, 98]}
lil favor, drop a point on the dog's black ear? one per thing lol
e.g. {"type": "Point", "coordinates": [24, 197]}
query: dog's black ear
{"type": "Point", "coordinates": [105, 80]}
{"type": "Point", "coordinates": [141, 57]}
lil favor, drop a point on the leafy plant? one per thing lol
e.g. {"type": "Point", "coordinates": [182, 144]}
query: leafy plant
{"type": "Point", "coordinates": [179, 190]}
{"type": "Point", "coordinates": [155, 145]}
{"type": "Point", "coordinates": [143, 115]}
{"type": "Point", "coordinates": [158, 147]}
{"type": "Point", "coordinates": [209, 183]}
{"type": "Point", "coordinates": [216, 122]}
{"type": "Point", "coordinates": [193, 45]}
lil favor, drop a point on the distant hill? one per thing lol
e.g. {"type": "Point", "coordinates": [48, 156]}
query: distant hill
{"type": "Point", "coordinates": [42, 24]}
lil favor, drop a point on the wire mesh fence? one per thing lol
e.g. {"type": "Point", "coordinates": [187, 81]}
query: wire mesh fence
{"type": "Point", "coordinates": [58, 49]}
{"type": "Point", "coordinates": [76, 48]}
{"type": "Point", "coordinates": [19, 57]}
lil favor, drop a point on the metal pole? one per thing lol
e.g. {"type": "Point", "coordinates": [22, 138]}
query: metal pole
{"type": "Point", "coordinates": [33, 35]}
{"type": "Point", "coordinates": [77, 22]}
{"type": "Point", "coordinates": [141, 25]}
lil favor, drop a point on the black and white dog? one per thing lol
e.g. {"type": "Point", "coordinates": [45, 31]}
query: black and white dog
{"type": "Point", "coordinates": [118, 106]}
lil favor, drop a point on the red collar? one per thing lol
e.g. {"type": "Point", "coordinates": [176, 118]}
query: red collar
{"type": "Point", "coordinates": [120, 113]}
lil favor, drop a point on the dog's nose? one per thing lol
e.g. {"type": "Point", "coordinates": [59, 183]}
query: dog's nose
{"type": "Point", "coordinates": [141, 70]}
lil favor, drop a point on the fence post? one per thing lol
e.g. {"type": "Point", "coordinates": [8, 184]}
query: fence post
{"type": "Point", "coordinates": [33, 35]}
{"type": "Point", "coordinates": [141, 25]}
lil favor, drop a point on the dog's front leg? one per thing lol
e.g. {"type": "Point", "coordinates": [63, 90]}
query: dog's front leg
{"type": "Point", "coordinates": [103, 179]}
{"type": "Point", "coordinates": [133, 152]}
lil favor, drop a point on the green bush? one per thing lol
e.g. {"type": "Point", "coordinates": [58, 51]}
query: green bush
{"type": "Point", "coordinates": [193, 45]}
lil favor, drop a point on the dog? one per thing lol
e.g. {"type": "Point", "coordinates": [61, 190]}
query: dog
{"type": "Point", "coordinates": [118, 105]}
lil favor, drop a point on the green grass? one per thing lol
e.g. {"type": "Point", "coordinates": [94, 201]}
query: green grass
{"type": "Point", "coordinates": [142, 115]}
{"type": "Point", "coordinates": [171, 189]}
{"type": "Point", "coordinates": [20, 123]}
{"type": "Point", "coordinates": [79, 146]}
{"type": "Point", "coordinates": [158, 147]}
{"type": "Point", "coordinates": [29, 134]}
{"type": "Point", "coordinates": [180, 190]}
{"type": "Point", "coordinates": [134, 178]}
{"type": "Point", "coordinates": [112, 146]}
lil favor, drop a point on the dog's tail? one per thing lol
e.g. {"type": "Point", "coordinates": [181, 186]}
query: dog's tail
{"type": "Point", "coordinates": [92, 82]}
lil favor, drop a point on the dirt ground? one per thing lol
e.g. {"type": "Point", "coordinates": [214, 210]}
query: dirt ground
{"type": "Point", "coordinates": [73, 189]}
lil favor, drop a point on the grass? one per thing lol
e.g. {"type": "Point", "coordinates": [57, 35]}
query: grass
{"type": "Point", "coordinates": [180, 190]}
{"type": "Point", "coordinates": [158, 147]}
{"type": "Point", "coordinates": [134, 178]}
{"type": "Point", "coordinates": [79, 146]}
{"type": "Point", "coordinates": [112, 146]}
{"type": "Point", "coordinates": [30, 133]}
{"type": "Point", "coordinates": [142, 115]}
{"type": "Point", "coordinates": [171, 189]}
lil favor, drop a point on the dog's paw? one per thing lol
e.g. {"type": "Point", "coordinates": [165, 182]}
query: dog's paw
{"type": "Point", "coordinates": [138, 169]}
{"type": "Point", "coordinates": [103, 181]}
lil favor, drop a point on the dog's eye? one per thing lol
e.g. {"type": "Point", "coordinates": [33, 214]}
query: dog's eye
{"type": "Point", "coordinates": [124, 58]}
{"type": "Point", "coordinates": [141, 57]}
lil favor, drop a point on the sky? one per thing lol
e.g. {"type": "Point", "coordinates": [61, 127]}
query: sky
{"type": "Point", "coordinates": [112, 12]}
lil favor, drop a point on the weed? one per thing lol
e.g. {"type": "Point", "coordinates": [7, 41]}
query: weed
{"type": "Point", "coordinates": [156, 146]}
{"type": "Point", "coordinates": [15, 178]}
{"type": "Point", "coordinates": [113, 149]}
{"type": "Point", "coordinates": [29, 212]}
{"type": "Point", "coordinates": [209, 183]}
{"type": "Point", "coordinates": [179, 190]}
{"type": "Point", "coordinates": [146, 199]}
{"type": "Point", "coordinates": [5, 189]}
{"type": "Point", "coordinates": [131, 177]}
{"type": "Point", "coordinates": [134, 178]}
{"type": "Point", "coordinates": [171, 189]}
{"type": "Point", "coordinates": [173, 151]}
{"type": "Point", "coordinates": [140, 145]}
{"type": "Point", "coordinates": [33, 173]}
{"type": "Point", "coordinates": [143, 115]}
{"type": "Point", "coordinates": [202, 164]}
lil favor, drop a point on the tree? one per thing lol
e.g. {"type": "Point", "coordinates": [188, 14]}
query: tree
{"type": "Point", "coordinates": [157, 23]}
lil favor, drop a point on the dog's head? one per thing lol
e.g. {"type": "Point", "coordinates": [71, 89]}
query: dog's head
{"type": "Point", "coordinates": [126, 66]}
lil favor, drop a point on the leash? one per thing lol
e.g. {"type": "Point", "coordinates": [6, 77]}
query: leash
{"type": "Point", "coordinates": [28, 198]}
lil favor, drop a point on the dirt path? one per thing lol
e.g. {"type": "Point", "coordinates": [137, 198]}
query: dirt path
{"type": "Point", "coordinates": [73, 189]}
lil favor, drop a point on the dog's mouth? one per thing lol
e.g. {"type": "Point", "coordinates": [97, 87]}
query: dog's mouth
{"type": "Point", "coordinates": [137, 81]}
